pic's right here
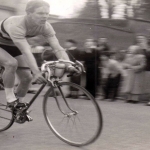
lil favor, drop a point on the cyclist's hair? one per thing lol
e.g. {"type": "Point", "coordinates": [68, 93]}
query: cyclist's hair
{"type": "Point", "coordinates": [33, 4]}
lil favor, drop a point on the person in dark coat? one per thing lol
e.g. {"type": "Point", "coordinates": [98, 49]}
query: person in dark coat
{"type": "Point", "coordinates": [74, 54]}
{"type": "Point", "coordinates": [91, 58]}
{"type": "Point", "coordinates": [71, 49]}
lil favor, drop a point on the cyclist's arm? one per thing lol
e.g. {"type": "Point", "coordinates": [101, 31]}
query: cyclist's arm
{"type": "Point", "coordinates": [58, 50]}
{"type": "Point", "coordinates": [60, 53]}
{"type": "Point", "coordinates": [49, 35]}
{"type": "Point", "coordinates": [26, 51]}
{"type": "Point", "coordinates": [17, 34]}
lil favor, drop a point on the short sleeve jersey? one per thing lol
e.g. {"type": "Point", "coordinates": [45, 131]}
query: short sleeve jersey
{"type": "Point", "coordinates": [17, 28]}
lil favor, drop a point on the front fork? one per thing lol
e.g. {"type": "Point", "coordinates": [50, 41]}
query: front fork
{"type": "Point", "coordinates": [73, 112]}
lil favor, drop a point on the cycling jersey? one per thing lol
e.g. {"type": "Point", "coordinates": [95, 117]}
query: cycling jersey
{"type": "Point", "coordinates": [18, 28]}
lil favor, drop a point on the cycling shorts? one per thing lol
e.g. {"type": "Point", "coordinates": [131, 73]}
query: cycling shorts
{"type": "Point", "coordinates": [12, 50]}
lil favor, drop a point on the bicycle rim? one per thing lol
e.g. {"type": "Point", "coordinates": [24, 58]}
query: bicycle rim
{"type": "Point", "coordinates": [6, 116]}
{"type": "Point", "coordinates": [78, 129]}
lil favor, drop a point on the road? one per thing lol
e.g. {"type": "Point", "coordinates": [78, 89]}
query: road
{"type": "Point", "coordinates": [126, 127]}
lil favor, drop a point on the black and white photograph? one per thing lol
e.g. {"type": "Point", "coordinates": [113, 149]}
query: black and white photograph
{"type": "Point", "coordinates": [74, 74]}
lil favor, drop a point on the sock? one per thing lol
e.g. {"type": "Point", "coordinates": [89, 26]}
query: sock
{"type": "Point", "coordinates": [21, 99]}
{"type": "Point", "coordinates": [10, 96]}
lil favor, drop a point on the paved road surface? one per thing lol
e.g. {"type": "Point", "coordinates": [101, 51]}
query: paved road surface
{"type": "Point", "coordinates": [126, 127]}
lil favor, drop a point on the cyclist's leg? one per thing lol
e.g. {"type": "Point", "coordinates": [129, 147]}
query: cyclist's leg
{"type": "Point", "coordinates": [10, 64]}
{"type": "Point", "coordinates": [24, 76]}
{"type": "Point", "coordinates": [25, 79]}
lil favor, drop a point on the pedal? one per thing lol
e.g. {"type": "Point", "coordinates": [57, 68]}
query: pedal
{"type": "Point", "coordinates": [29, 118]}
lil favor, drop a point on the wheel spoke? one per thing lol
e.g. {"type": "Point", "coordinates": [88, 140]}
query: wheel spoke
{"type": "Point", "coordinates": [4, 118]}
{"type": "Point", "coordinates": [2, 104]}
{"type": "Point", "coordinates": [5, 110]}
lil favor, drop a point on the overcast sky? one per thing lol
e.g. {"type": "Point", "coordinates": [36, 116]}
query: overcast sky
{"type": "Point", "coordinates": [66, 8]}
{"type": "Point", "coordinates": [71, 8]}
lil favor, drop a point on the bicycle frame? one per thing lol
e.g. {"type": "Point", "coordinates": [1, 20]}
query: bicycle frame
{"type": "Point", "coordinates": [51, 87]}
{"type": "Point", "coordinates": [36, 95]}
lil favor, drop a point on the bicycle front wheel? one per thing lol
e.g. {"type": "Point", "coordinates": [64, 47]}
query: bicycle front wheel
{"type": "Point", "coordinates": [74, 117]}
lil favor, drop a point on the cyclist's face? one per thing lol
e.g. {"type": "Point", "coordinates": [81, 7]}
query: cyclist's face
{"type": "Point", "coordinates": [40, 15]}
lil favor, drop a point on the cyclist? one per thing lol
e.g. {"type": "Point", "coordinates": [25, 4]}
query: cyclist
{"type": "Point", "coordinates": [15, 50]}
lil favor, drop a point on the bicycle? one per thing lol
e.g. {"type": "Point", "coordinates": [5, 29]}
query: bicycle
{"type": "Point", "coordinates": [61, 110]}
{"type": "Point", "coordinates": [1, 81]}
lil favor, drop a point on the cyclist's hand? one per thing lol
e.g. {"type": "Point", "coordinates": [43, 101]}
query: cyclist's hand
{"type": "Point", "coordinates": [39, 79]}
{"type": "Point", "coordinates": [74, 71]}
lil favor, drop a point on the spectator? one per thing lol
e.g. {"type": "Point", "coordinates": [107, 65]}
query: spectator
{"type": "Point", "coordinates": [47, 53]}
{"type": "Point", "coordinates": [103, 44]}
{"type": "Point", "coordinates": [120, 57]}
{"type": "Point", "coordinates": [113, 53]}
{"type": "Point", "coordinates": [74, 54]}
{"type": "Point", "coordinates": [146, 49]}
{"type": "Point", "coordinates": [111, 76]}
{"type": "Point", "coordinates": [71, 49]}
{"type": "Point", "coordinates": [144, 42]}
{"type": "Point", "coordinates": [141, 41]}
{"type": "Point", "coordinates": [135, 68]}
{"type": "Point", "coordinates": [91, 58]}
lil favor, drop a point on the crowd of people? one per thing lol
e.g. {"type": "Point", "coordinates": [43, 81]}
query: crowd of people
{"type": "Point", "coordinates": [111, 73]}
{"type": "Point", "coordinates": [126, 73]}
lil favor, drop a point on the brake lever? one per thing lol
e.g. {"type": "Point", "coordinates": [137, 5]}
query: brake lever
{"type": "Point", "coordinates": [81, 65]}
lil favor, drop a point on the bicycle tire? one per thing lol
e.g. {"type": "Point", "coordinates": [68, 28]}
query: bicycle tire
{"type": "Point", "coordinates": [96, 110]}
{"type": "Point", "coordinates": [5, 113]}
{"type": "Point", "coordinates": [3, 118]}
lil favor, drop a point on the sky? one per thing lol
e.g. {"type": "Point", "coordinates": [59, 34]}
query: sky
{"type": "Point", "coordinates": [66, 8]}
{"type": "Point", "coordinates": [71, 8]}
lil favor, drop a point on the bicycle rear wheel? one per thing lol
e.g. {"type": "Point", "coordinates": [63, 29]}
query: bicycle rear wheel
{"type": "Point", "coordinates": [6, 115]}
{"type": "Point", "coordinates": [79, 123]}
